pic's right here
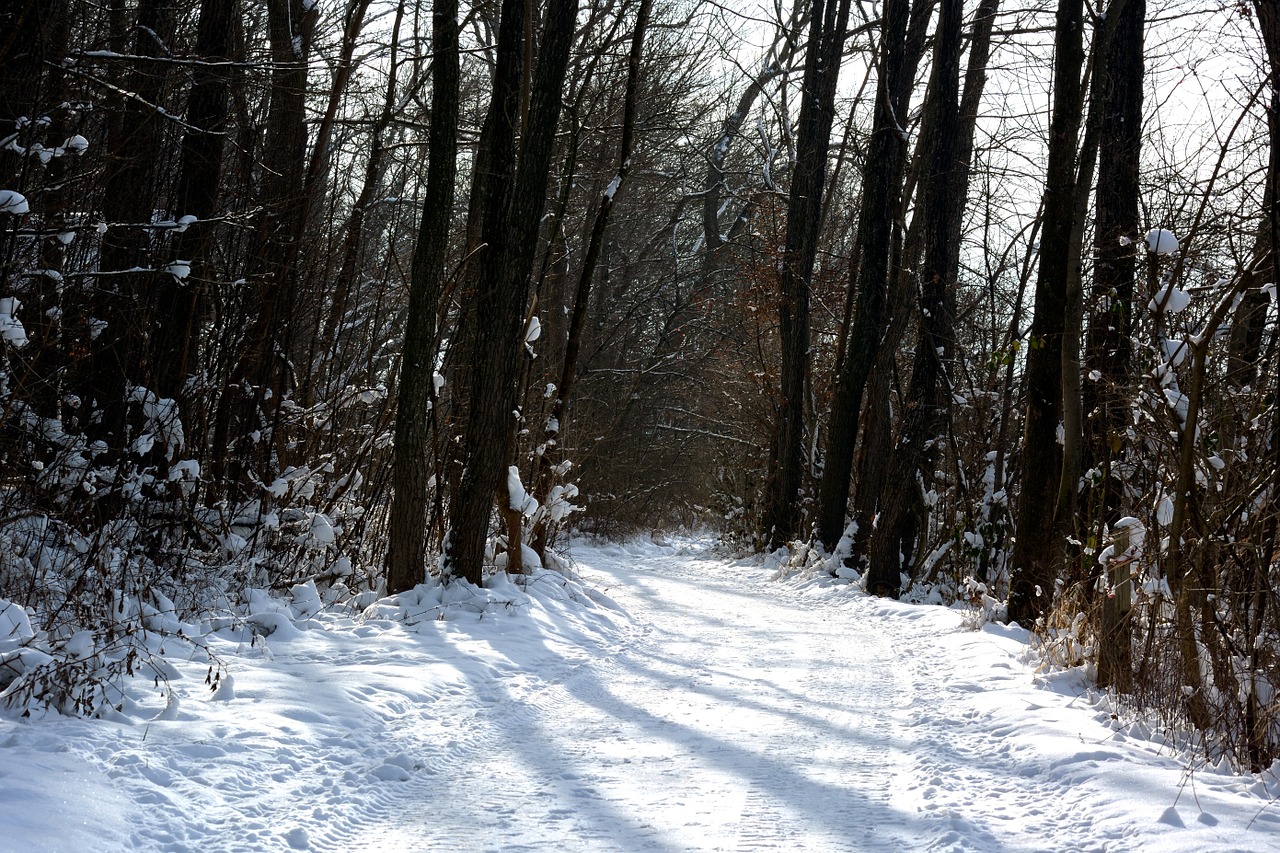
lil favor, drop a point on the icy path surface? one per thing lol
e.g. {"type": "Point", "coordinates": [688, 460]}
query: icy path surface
{"type": "Point", "coordinates": [744, 715]}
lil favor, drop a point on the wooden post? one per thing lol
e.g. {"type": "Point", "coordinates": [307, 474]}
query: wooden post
{"type": "Point", "coordinates": [1115, 657]}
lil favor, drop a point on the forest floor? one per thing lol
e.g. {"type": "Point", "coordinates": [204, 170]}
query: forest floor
{"type": "Point", "coordinates": [668, 700]}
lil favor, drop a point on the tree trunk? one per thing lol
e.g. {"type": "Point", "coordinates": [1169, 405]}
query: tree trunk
{"type": "Point", "coordinates": [1032, 582]}
{"type": "Point", "coordinates": [29, 41]}
{"type": "Point", "coordinates": [1117, 98]}
{"type": "Point", "coordinates": [134, 136]}
{"type": "Point", "coordinates": [827, 24]}
{"type": "Point", "coordinates": [33, 44]}
{"type": "Point", "coordinates": [502, 293]}
{"type": "Point", "coordinates": [178, 303]}
{"type": "Point", "coordinates": [881, 201]}
{"type": "Point", "coordinates": [893, 544]}
{"type": "Point", "coordinates": [416, 394]}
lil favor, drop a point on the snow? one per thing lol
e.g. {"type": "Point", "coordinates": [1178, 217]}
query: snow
{"type": "Point", "coordinates": [15, 627]}
{"type": "Point", "coordinates": [13, 202]}
{"type": "Point", "coordinates": [1175, 351]}
{"type": "Point", "coordinates": [519, 499]}
{"type": "Point", "coordinates": [1175, 301]}
{"type": "Point", "coordinates": [669, 700]}
{"type": "Point", "coordinates": [1161, 241]}
{"type": "Point", "coordinates": [11, 328]}
{"type": "Point", "coordinates": [320, 532]}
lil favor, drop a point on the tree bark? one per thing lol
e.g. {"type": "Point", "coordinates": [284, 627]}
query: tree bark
{"type": "Point", "coordinates": [881, 200]}
{"type": "Point", "coordinates": [33, 44]}
{"type": "Point", "coordinates": [134, 135]}
{"type": "Point", "coordinates": [893, 544]}
{"type": "Point", "coordinates": [1117, 98]}
{"type": "Point", "coordinates": [1031, 578]}
{"type": "Point", "coordinates": [416, 394]}
{"type": "Point", "coordinates": [827, 24]}
{"type": "Point", "coordinates": [501, 296]}
{"type": "Point", "coordinates": [178, 311]}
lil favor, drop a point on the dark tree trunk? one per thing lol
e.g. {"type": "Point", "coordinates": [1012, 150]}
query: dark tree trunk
{"type": "Point", "coordinates": [274, 263]}
{"type": "Point", "coordinates": [33, 43]}
{"type": "Point", "coordinates": [1117, 99]}
{"type": "Point", "coordinates": [881, 200]}
{"type": "Point", "coordinates": [493, 177]}
{"type": "Point", "coordinates": [1249, 321]}
{"type": "Point", "coordinates": [31, 37]}
{"type": "Point", "coordinates": [827, 24]}
{"type": "Point", "coordinates": [1259, 720]}
{"type": "Point", "coordinates": [893, 545]}
{"type": "Point", "coordinates": [406, 547]}
{"type": "Point", "coordinates": [877, 437]}
{"type": "Point", "coordinates": [178, 303]}
{"type": "Point", "coordinates": [503, 291]}
{"type": "Point", "coordinates": [1031, 581]}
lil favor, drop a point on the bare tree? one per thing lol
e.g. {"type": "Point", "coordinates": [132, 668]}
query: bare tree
{"type": "Point", "coordinates": [407, 542]}
{"type": "Point", "coordinates": [1032, 581]}
{"type": "Point", "coordinates": [873, 252]}
{"type": "Point", "coordinates": [827, 25]}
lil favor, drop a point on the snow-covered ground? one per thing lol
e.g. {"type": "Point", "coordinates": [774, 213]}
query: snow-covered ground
{"type": "Point", "coordinates": [710, 708]}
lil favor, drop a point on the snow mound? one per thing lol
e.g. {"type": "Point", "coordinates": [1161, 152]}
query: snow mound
{"type": "Point", "coordinates": [1161, 241]}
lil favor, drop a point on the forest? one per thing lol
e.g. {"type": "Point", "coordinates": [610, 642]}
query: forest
{"type": "Point", "coordinates": [964, 301]}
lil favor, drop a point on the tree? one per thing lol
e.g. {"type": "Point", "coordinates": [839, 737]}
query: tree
{"type": "Point", "coordinates": [1117, 100]}
{"type": "Point", "coordinates": [512, 214]}
{"type": "Point", "coordinates": [178, 304]}
{"type": "Point", "coordinates": [135, 135]}
{"type": "Point", "coordinates": [1032, 575]}
{"type": "Point", "coordinates": [881, 198]}
{"type": "Point", "coordinates": [406, 545]}
{"type": "Point", "coordinates": [893, 544]}
{"type": "Point", "coordinates": [828, 22]}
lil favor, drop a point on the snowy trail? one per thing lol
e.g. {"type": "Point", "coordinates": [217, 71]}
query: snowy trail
{"type": "Point", "coordinates": [711, 708]}
{"type": "Point", "coordinates": [730, 722]}
{"type": "Point", "coordinates": [748, 716]}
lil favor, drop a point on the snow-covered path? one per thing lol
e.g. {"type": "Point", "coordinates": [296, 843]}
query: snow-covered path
{"type": "Point", "coordinates": [745, 715]}
{"type": "Point", "coordinates": [710, 708]}
{"type": "Point", "coordinates": [730, 721]}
